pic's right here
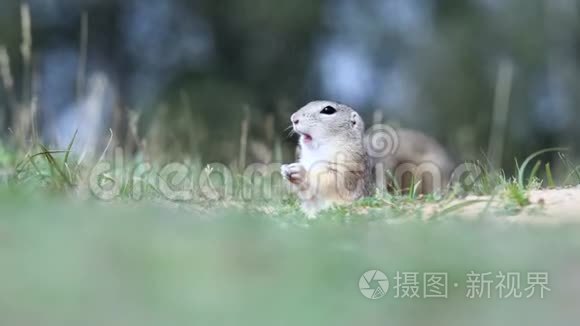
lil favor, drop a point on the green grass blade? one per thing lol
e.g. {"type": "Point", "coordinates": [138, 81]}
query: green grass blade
{"type": "Point", "coordinates": [411, 194]}
{"type": "Point", "coordinates": [54, 165]}
{"type": "Point", "coordinates": [36, 168]}
{"type": "Point", "coordinates": [522, 169]}
{"type": "Point", "coordinates": [534, 172]}
{"type": "Point", "coordinates": [396, 186]}
{"type": "Point", "coordinates": [70, 145]}
{"type": "Point", "coordinates": [549, 177]}
{"type": "Point", "coordinates": [44, 152]}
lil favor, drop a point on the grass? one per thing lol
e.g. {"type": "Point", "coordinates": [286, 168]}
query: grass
{"type": "Point", "coordinates": [57, 171]}
{"type": "Point", "coordinates": [69, 258]}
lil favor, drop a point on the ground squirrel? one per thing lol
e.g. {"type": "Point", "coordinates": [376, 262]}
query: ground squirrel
{"type": "Point", "coordinates": [334, 167]}
{"type": "Point", "coordinates": [338, 163]}
{"type": "Point", "coordinates": [418, 159]}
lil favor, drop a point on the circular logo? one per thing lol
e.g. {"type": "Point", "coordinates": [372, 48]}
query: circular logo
{"type": "Point", "coordinates": [381, 141]}
{"type": "Point", "coordinates": [373, 284]}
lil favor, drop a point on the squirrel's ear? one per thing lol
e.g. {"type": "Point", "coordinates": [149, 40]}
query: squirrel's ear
{"type": "Point", "coordinates": [355, 119]}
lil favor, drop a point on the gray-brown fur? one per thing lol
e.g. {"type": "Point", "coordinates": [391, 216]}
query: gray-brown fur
{"type": "Point", "coordinates": [334, 166]}
{"type": "Point", "coordinates": [417, 148]}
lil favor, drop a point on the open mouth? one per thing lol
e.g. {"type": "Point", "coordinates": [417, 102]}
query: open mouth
{"type": "Point", "coordinates": [306, 138]}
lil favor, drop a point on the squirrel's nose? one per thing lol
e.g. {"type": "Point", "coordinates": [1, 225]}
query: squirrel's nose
{"type": "Point", "coordinates": [294, 119]}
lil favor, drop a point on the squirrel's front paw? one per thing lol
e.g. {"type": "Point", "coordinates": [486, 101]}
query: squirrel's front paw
{"type": "Point", "coordinates": [295, 173]}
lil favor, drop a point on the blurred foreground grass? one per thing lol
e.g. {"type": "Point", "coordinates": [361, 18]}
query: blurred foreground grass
{"type": "Point", "coordinates": [65, 262]}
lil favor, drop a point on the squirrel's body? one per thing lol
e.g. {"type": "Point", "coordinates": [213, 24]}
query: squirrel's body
{"type": "Point", "coordinates": [420, 154]}
{"type": "Point", "coordinates": [334, 167]}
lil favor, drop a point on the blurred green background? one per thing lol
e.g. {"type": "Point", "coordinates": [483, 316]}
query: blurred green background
{"type": "Point", "coordinates": [179, 78]}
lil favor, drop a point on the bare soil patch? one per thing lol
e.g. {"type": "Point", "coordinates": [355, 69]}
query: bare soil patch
{"type": "Point", "coordinates": [547, 206]}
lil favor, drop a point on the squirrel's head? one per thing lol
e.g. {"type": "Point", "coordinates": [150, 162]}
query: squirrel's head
{"type": "Point", "coordinates": [321, 122]}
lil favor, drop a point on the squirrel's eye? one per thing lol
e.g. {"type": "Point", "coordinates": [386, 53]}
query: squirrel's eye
{"type": "Point", "coordinates": [328, 110]}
